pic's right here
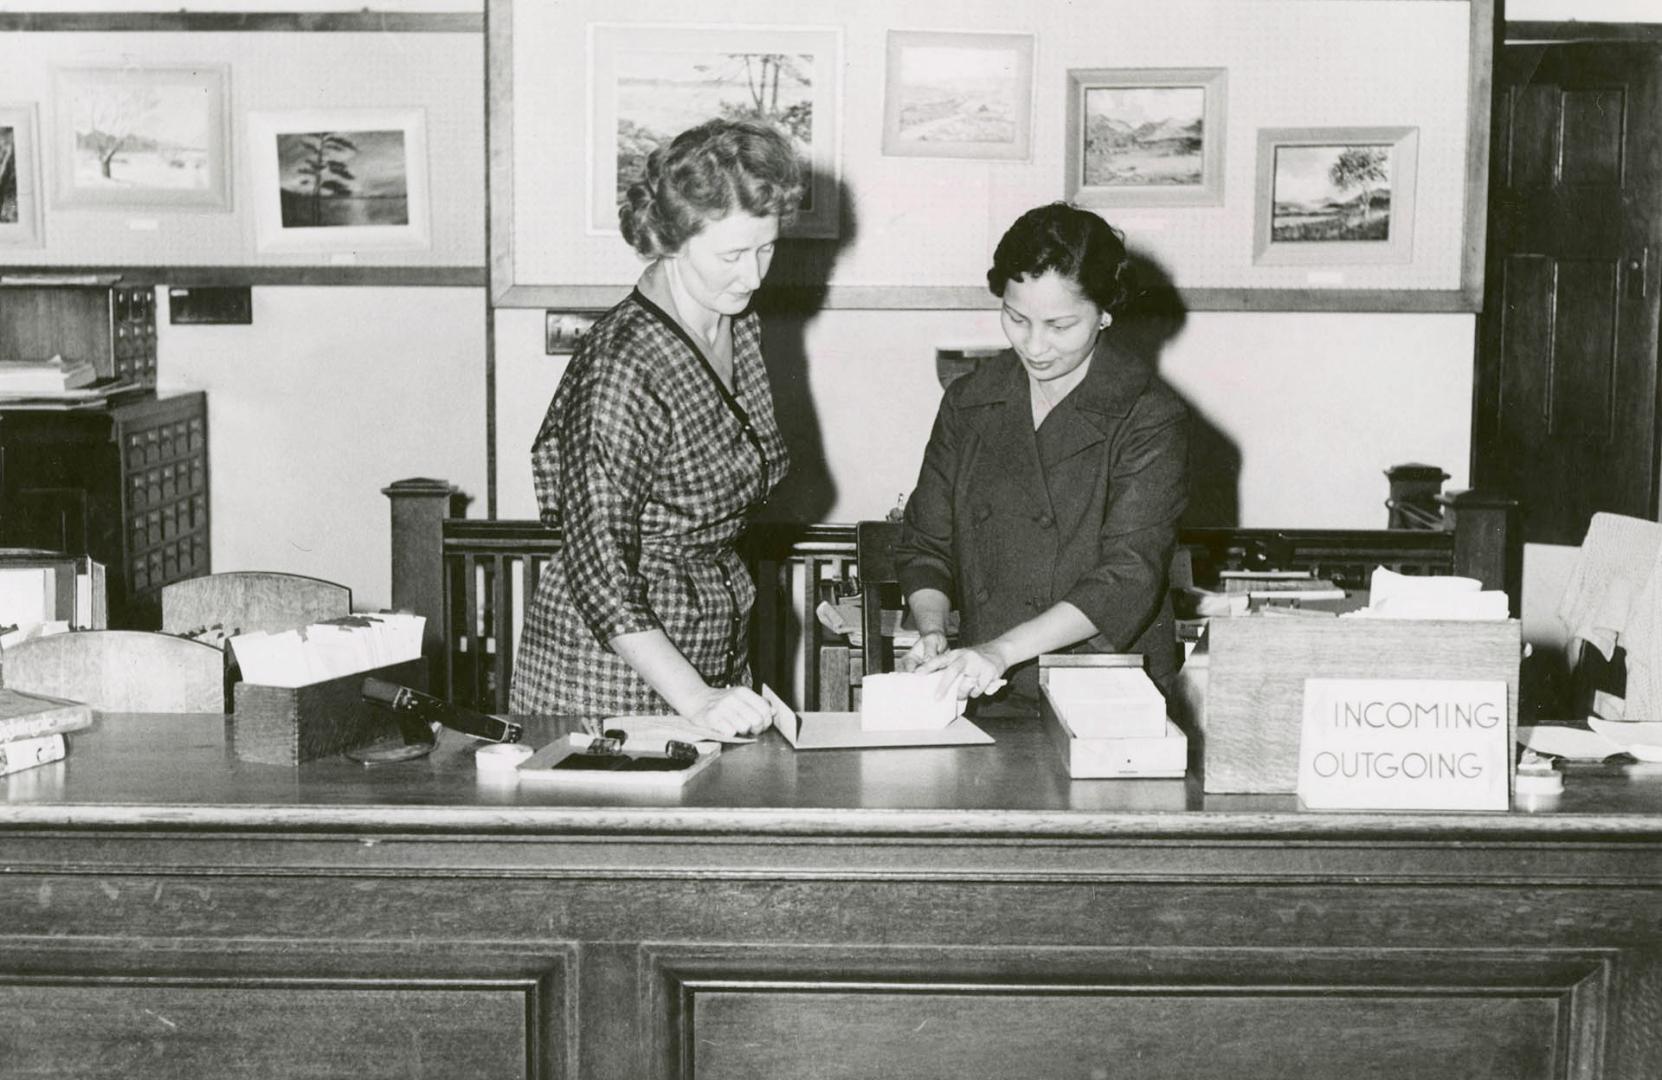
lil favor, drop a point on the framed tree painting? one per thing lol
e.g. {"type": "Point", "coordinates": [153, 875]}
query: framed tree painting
{"type": "Point", "coordinates": [1335, 196]}
{"type": "Point", "coordinates": [20, 213]}
{"type": "Point", "coordinates": [142, 137]}
{"type": "Point", "coordinates": [958, 95]}
{"type": "Point", "coordinates": [649, 82]}
{"type": "Point", "coordinates": [339, 180]}
{"type": "Point", "coordinates": [1145, 136]}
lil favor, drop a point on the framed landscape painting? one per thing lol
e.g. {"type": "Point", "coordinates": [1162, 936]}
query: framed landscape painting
{"type": "Point", "coordinates": [1335, 196]}
{"type": "Point", "coordinates": [1145, 136]}
{"type": "Point", "coordinates": [959, 95]}
{"type": "Point", "coordinates": [150, 138]}
{"type": "Point", "coordinates": [339, 180]}
{"type": "Point", "coordinates": [20, 216]}
{"type": "Point", "coordinates": [648, 83]}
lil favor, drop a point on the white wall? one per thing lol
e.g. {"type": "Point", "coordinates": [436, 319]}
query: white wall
{"type": "Point", "coordinates": [1299, 414]}
{"type": "Point", "coordinates": [1641, 11]}
{"type": "Point", "coordinates": [331, 394]}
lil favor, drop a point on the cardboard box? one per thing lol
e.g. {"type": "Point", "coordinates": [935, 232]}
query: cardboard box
{"type": "Point", "coordinates": [1241, 692]}
{"type": "Point", "coordinates": [281, 725]}
{"type": "Point", "coordinates": [1074, 691]}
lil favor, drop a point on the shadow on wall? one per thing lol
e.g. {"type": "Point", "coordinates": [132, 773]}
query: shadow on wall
{"type": "Point", "coordinates": [1144, 328]}
{"type": "Point", "coordinates": [795, 293]}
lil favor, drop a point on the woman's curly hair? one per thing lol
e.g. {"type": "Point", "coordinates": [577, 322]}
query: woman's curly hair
{"type": "Point", "coordinates": [706, 173]}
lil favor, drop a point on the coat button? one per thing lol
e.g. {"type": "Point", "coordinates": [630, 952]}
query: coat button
{"type": "Point", "coordinates": [982, 593]}
{"type": "Point", "coordinates": [1045, 521]}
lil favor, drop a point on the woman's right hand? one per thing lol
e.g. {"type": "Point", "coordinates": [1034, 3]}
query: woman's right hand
{"type": "Point", "coordinates": [732, 710]}
{"type": "Point", "coordinates": [928, 646]}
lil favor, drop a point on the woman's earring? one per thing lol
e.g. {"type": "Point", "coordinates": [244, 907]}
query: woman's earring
{"type": "Point", "coordinates": [1104, 322]}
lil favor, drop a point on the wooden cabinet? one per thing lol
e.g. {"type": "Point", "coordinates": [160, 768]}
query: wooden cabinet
{"type": "Point", "coordinates": [126, 484]}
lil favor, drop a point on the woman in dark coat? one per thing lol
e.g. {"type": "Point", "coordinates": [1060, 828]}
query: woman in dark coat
{"type": "Point", "coordinates": [659, 442]}
{"type": "Point", "coordinates": [1048, 500]}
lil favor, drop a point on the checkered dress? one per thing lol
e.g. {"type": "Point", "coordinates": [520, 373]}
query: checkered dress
{"type": "Point", "coordinates": [650, 467]}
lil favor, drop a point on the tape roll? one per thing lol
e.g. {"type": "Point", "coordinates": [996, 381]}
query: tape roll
{"type": "Point", "coordinates": [500, 757]}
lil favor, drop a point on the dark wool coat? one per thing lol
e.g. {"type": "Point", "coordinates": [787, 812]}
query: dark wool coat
{"type": "Point", "coordinates": [1009, 521]}
{"type": "Point", "coordinates": [650, 466]}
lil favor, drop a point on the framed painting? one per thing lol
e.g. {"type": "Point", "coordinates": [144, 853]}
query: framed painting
{"type": "Point", "coordinates": [958, 95]}
{"type": "Point", "coordinates": [1335, 196]}
{"type": "Point", "coordinates": [650, 82]}
{"type": "Point", "coordinates": [1145, 136]}
{"type": "Point", "coordinates": [339, 180]}
{"type": "Point", "coordinates": [20, 213]}
{"type": "Point", "coordinates": [142, 137]}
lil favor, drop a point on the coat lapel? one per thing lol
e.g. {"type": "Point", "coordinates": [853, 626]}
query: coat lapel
{"type": "Point", "coordinates": [1088, 415]}
{"type": "Point", "coordinates": [1005, 418]}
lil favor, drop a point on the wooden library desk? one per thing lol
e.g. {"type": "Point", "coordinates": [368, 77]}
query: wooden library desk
{"type": "Point", "coordinates": [171, 912]}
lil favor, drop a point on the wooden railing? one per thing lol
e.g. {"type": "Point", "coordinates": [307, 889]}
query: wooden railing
{"type": "Point", "coordinates": [473, 579]}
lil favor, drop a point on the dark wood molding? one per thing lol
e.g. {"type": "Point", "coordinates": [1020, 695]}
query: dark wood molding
{"type": "Point", "coordinates": [355, 22]}
{"type": "Point", "coordinates": [1573, 30]}
{"type": "Point", "coordinates": [201, 276]}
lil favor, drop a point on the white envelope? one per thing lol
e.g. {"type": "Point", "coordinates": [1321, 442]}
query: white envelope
{"type": "Point", "coordinates": [906, 700]}
{"type": "Point", "coordinates": [842, 731]}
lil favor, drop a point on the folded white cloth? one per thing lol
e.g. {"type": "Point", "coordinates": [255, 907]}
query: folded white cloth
{"type": "Point", "coordinates": [1617, 563]}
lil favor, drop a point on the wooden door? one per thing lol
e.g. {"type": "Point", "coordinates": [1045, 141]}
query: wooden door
{"type": "Point", "coordinates": [1565, 410]}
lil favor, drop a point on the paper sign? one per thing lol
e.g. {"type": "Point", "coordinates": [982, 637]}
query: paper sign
{"type": "Point", "coordinates": [1404, 744]}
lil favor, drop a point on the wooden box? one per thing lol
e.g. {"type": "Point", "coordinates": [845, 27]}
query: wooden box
{"type": "Point", "coordinates": [1158, 752]}
{"type": "Point", "coordinates": [1241, 693]}
{"type": "Point", "coordinates": [283, 725]}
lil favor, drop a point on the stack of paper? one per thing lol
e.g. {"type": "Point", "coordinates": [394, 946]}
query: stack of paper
{"type": "Point", "coordinates": [908, 701]}
{"type": "Point", "coordinates": [32, 728]}
{"type": "Point", "coordinates": [1108, 702]}
{"type": "Point", "coordinates": [328, 650]}
{"type": "Point", "coordinates": [26, 378]}
{"type": "Point", "coordinates": [1398, 596]}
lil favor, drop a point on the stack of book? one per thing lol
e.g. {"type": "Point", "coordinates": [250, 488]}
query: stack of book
{"type": "Point", "coordinates": [33, 726]}
{"type": "Point", "coordinates": [44, 378]}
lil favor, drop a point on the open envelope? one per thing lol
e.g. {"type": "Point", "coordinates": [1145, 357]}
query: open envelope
{"type": "Point", "coordinates": [842, 731]}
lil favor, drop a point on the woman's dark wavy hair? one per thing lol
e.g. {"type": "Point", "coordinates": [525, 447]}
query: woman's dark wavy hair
{"type": "Point", "coordinates": [1075, 243]}
{"type": "Point", "coordinates": [706, 173]}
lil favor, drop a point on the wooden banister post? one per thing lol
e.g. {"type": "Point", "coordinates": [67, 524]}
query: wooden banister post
{"type": "Point", "coordinates": [1485, 530]}
{"type": "Point", "coordinates": [419, 507]}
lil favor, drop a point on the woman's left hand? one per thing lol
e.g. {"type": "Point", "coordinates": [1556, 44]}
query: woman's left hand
{"type": "Point", "coordinates": [974, 671]}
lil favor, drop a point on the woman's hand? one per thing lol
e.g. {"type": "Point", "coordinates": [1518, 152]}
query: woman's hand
{"type": "Point", "coordinates": [928, 646]}
{"type": "Point", "coordinates": [974, 671]}
{"type": "Point", "coordinates": [732, 710]}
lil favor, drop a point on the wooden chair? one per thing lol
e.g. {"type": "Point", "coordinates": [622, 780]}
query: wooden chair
{"type": "Point", "coordinates": [248, 601]}
{"type": "Point", "coordinates": [874, 543]}
{"type": "Point", "coordinates": [120, 671]}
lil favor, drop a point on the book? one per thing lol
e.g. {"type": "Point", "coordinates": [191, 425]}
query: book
{"type": "Point", "coordinates": [1300, 588]}
{"type": "Point", "coordinates": [20, 754]}
{"type": "Point", "coordinates": [24, 715]}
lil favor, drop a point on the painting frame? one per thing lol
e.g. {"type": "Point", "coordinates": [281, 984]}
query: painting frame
{"type": "Point", "coordinates": [610, 49]}
{"type": "Point", "coordinates": [904, 44]}
{"type": "Point", "coordinates": [265, 129]}
{"type": "Point", "coordinates": [1147, 87]}
{"type": "Point", "coordinates": [21, 159]}
{"type": "Point", "coordinates": [95, 87]}
{"type": "Point", "coordinates": [1397, 248]}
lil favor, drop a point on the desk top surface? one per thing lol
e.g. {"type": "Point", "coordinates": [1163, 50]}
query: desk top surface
{"type": "Point", "coordinates": [177, 771]}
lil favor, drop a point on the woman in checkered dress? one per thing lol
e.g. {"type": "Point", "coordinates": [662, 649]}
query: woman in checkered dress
{"type": "Point", "coordinates": [658, 444]}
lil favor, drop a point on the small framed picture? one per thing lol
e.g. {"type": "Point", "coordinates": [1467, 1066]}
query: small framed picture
{"type": "Point", "coordinates": [20, 213]}
{"type": "Point", "coordinates": [648, 83]}
{"type": "Point", "coordinates": [1335, 196]}
{"type": "Point", "coordinates": [144, 138]}
{"type": "Point", "coordinates": [339, 180]}
{"type": "Point", "coordinates": [1145, 136]}
{"type": "Point", "coordinates": [959, 95]}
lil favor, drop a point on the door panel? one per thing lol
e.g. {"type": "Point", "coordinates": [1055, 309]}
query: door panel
{"type": "Point", "coordinates": [1565, 412]}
